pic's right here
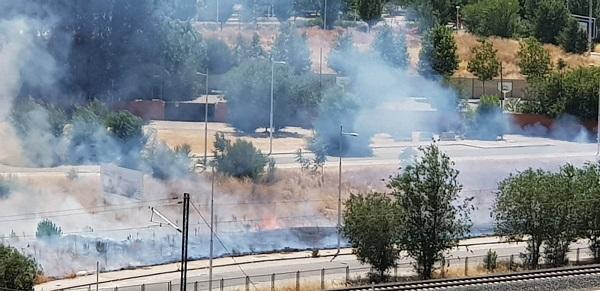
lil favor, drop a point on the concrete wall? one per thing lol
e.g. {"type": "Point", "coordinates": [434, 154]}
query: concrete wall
{"type": "Point", "coordinates": [146, 109]}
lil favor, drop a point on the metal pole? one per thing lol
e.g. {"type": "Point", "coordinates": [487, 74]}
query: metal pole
{"type": "Point", "coordinates": [339, 208]}
{"type": "Point", "coordinates": [457, 18]}
{"type": "Point", "coordinates": [97, 274]}
{"type": "Point", "coordinates": [590, 27]}
{"type": "Point", "coordinates": [598, 127]}
{"type": "Point", "coordinates": [206, 119]}
{"type": "Point", "coordinates": [218, 23]}
{"type": "Point", "coordinates": [184, 240]}
{"type": "Point", "coordinates": [271, 111]}
{"type": "Point", "coordinates": [325, 16]}
{"type": "Point", "coordinates": [212, 207]}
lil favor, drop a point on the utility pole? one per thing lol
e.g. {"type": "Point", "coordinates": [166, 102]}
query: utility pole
{"type": "Point", "coordinates": [97, 274]}
{"type": "Point", "coordinates": [590, 29]}
{"type": "Point", "coordinates": [212, 215]}
{"type": "Point", "coordinates": [184, 240]}
{"type": "Point", "coordinates": [325, 15]}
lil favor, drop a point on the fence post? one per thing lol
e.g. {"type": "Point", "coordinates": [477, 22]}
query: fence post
{"type": "Point", "coordinates": [116, 288]}
{"type": "Point", "coordinates": [577, 258]}
{"type": "Point", "coordinates": [347, 275]}
{"type": "Point", "coordinates": [143, 287]}
{"type": "Point", "coordinates": [510, 263]}
{"type": "Point", "coordinates": [323, 279]}
{"type": "Point", "coordinates": [466, 266]}
{"type": "Point", "coordinates": [297, 280]}
{"type": "Point", "coordinates": [443, 267]}
{"type": "Point", "coordinates": [222, 284]}
{"type": "Point", "coordinates": [169, 285]}
{"type": "Point", "coordinates": [273, 282]}
{"type": "Point", "coordinates": [247, 283]}
{"type": "Point", "coordinates": [395, 272]}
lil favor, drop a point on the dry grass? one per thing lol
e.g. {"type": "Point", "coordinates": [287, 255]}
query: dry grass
{"type": "Point", "coordinates": [507, 53]}
{"type": "Point", "coordinates": [304, 286]}
{"type": "Point", "coordinates": [479, 270]}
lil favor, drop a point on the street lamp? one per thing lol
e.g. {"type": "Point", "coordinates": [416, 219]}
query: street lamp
{"type": "Point", "coordinates": [339, 214]}
{"type": "Point", "coordinates": [271, 111]}
{"type": "Point", "coordinates": [205, 114]}
{"type": "Point", "coordinates": [457, 17]}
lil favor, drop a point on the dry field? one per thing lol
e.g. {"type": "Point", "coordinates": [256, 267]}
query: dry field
{"type": "Point", "coordinates": [176, 133]}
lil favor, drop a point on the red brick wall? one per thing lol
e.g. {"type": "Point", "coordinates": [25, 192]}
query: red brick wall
{"type": "Point", "coordinates": [146, 109]}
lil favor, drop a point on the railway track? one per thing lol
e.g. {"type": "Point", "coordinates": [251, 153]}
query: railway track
{"type": "Point", "coordinates": [480, 280]}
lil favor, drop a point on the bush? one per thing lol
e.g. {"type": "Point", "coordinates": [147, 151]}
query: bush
{"type": "Point", "coordinates": [239, 159]}
{"type": "Point", "coordinates": [16, 270]}
{"type": "Point", "coordinates": [572, 38]}
{"type": "Point", "coordinates": [490, 260]}
{"type": "Point", "coordinates": [488, 121]}
{"type": "Point", "coordinates": [492, 17]}
{"type": "Point", "coordinates": [46, 229]}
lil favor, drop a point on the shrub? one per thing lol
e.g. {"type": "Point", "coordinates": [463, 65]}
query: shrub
{"type": "Point", "coordinates": [239, 159]}
{"type": "Point", "coordinates": [489, 261]}
{"type": "Point", "coordinates": [46, 229]}
{"type": "Point", "coordinates": [16, 270]}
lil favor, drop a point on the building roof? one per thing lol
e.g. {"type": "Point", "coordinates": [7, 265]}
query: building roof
{"type": "Point", "coordinates": [212, 99]}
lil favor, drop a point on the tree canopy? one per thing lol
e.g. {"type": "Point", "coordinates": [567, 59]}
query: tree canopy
{"type": "Point", "coordinates": [16, 270]}
{"type": "Point", "coordinates": [534, 59]}
{"type": "Point", "coordinates": [438, 54]}
{"type": "Point", "coordinates": [391, 47]}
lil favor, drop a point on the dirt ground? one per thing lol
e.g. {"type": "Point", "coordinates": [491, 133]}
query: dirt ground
{"type": "Point", "coordinates": [176, 133]}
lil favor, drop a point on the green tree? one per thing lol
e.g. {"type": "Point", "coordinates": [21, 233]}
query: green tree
{"type": "Point", "coordinates": [492, 17]}
{"type": "Point", "coordinates": [534, 59]}
{"type": "Point", "coordinates": [534, 204]}
{"type": "Point", "coordinates": [484, 64]}
{"type": "Point", "coordinates": [292, 48]}
{"type": "Point", "coordinates": [239, 159]}
{"type": "Point", "coordinates": [370, 11]}
{"type": "Point", "coordinates": [391, 47]}
{"type": "Point", "coordinates": [433, 217]}
{"type": "Point", "coordinates": [333, 9]}
{"type": "Point", "coordinates": [438, 54]}
{"type": "Point", "coordinates": [587, 205]}
{"type": "Point", "coordinates": [550, 18]}
{"type": "Point", "coordinates": [16, 270]}
{"type": "Point", "coordinates": [283, 9]}
{"type": "Point", "coordinates": [220, 58]}
{"type": "Point", "coordinates": [371, 226]}
{"type": "Point", "coordinates": [46, 229]}
{"type": "Point", "coordinates": [343, 50]}
{"type": "Point", "coordinates": [124, 125]}
{"type": "Point", "coordinates": [572, 38]}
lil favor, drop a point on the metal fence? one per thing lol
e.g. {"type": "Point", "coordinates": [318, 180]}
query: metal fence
{"type": "Point", "coordinates": [321, 279]}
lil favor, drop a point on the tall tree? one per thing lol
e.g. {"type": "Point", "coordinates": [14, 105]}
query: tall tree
{"type": "Point", "coordinates": [331, 11]}
{"type": "Point", "coordinates": [484, 64]}
{"type": "Point", "coordinates": [371, 226]}
{"type": "Point", "coordinates": [587, 206]}
{"type": "Point", "coordinates": [343, 50]}
{"type": "Point", "coordinates": [292, 48]}
{"type": "Point", "coordinates": [534, 59]}
{"type": "Point", "coordinates": [370, 11]}
{"type": "Point", "coordinates": [434, 218]}
{"type": "Point", "coordinates": [438, 54]}
{"type": "Point", "coordinates": [550, 18]}
{"type": "Point", "coordinates": [391, 47]}
{"type": "Point", "coordinates": [492, 17]}
{"type": "Point", "coordinates": [572, 38]}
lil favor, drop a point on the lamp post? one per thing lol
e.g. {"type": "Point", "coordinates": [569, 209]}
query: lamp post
{"type": "Point", "coordinates": [271, 111]}
{"type": "Point", "coordinates": [590, 29]}
{"type": "Point", "coordinates": [212, 215]}
{"type": "Point", "coordinates": [457, 17]}
{"type": "Point", "coordinates": [339, 213]}
{"type": "Point", "coordinates": [325, 16]}
{"type": "Point", "coordinates": [205, 114]}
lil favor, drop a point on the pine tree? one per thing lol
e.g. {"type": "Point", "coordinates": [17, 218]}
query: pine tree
{"type": "Point", "coordinates": [438, 53]}
{"type": "Point", "coordinates": [338, 58]}
{"type": "Point", "coordinates": [573, 39]}
{"type": "Point", "coordinates": [370, 11]}
{"type": "Point", "coordinates": [391, 47]}
{"type": "Point", "coordinates": [292, 48]}
{"type": "Point", "coordinates": [550, 18]}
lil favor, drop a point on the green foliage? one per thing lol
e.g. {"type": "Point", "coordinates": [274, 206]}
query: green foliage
{"type": "Point", "coordinates": [572, 38]}
{"type": "Point", "coordinates": [490, 260]}
{"type": "Point", "coordinates": [124, 125]}
{"type": "Point", "coordinates": [166, 164]}
{"type": "Point", "coordinates": [371, 226]}
{"type": "Point", "coordinates": [433, 217]}
{"type": "Point", "coordinates": [370, 11]}
{"type": "Point", "coordinates": [239, 159]}
{"type": "Point", "coordinates": [46, 229]}
{"type": "Point", "coordinates": [550, 18]}
{"type": "Point", "coordinates": [484, 64]}
{"type": "Point", "coordinates": [534, 60]}
{"type": "Point", "coordinates": [492, 17]}
{"type": "Point", "coordinates": [292, 48]}
{"type": "Point", "coordinates": [333, 8]}
{"type": "Point", "coordinates": [16, 270]}
{"type": "Point", "coordinates": [296, 97]}
{"type": "Point", "coordinates": [587, 205]}
{"type": "Point", "coordinates": [220, 58]}
{"type": "Point", "coordinates": [283, 9]}
{"type": "Point", "coordinates": [535, 204]}
{"type": "Point", "coordinates": [574, 92]}
{"type": "Point", "coordinates": [343, 49]}
{"type": "Point", "coordinates": [391, 47]}
{"type": "Point", "coordinates": [488, 103]}
{"type": "Point", "coordinates": [438, 54]}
